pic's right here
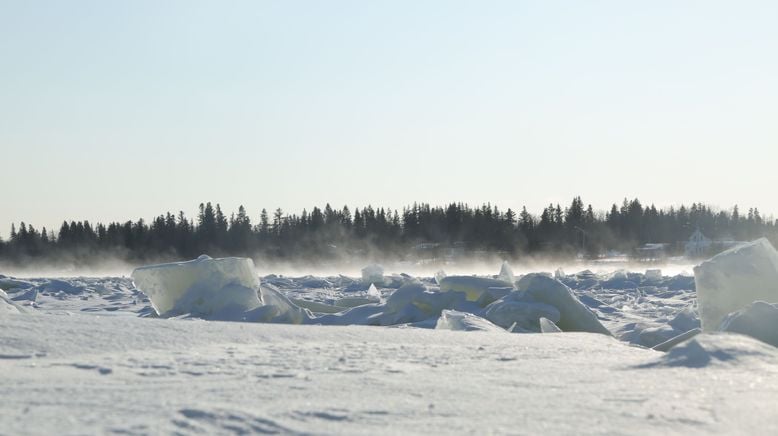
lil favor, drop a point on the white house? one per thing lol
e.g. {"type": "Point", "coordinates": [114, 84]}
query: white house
{"type": "Point", "coordinates": [697, 245]}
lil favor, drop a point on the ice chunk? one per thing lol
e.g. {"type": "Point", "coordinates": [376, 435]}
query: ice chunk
{"type": "Point", "coordinates": [506, 273]}
{"type": "Point", "coordinates": [574, 315]}
{"type": "Point", "coordinates": [347, 302]}
{"type": "Point", "coordinates": [414, 302]}
{"type": "Point", "coordinates": [758, 320]}
{"type": "Point", "coordinates": [463, 321]}
{"type": "Point", "coordinates": [373, 274]}
{"type": "Point", "coordinates": [374, 294]}
{"type": "Point", "coordinates": [29, 295]}
{"type": "Point", "coordinates": [548, 326]}
{"type": "Point", "coordinates": [653, 275]}
{"type": "Point", "coordinates": [685, 320]}
{"type": "Point", "coordinates": [8, 306]}
{"type": "Point", "coordinates": [55, 286]}
{"type": "Point", "coordinates": [619, 279]}
{"type": "Point", "coordinates": [277, 308]}
{"type": "Point", "coordinates": [204, 287]}
{"type": "Point", "coordinates": [473, 287]}
{"type": "Point", "coordinates": [369, 314]}
{"type": "Point", "coordinates": [12, 285]}
{"type": "Point", "coordinates": [512, 310]}
{"type": "Point", "coordinates": [493, 294]}
{"type": "Point", "coordinates": [672, 342]}
{"type": "Point", "coordinates": [735, 278]}
{"type": "Point", "coordinates": [653, 336]}
{"type": "Point", "coordinates": [314, 282]}
{"type": "Point", "coordinates": [439, 276]}
{"type": "Point", "coordinates": [315, 306]}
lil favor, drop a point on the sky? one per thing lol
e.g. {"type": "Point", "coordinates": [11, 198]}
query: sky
{"type": "Point", "coordinates": [116, 110]}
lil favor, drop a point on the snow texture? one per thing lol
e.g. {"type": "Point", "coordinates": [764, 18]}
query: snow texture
{"type": "Point", "coordinates": [735, 278]}
{"type": "Point", "coordinates": [86, 374]}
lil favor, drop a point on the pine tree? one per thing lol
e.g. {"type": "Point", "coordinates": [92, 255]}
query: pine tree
{"type": "Point", "coordinates": [264, 223]}
{"type": "Point", "coordinates": [278, 219]}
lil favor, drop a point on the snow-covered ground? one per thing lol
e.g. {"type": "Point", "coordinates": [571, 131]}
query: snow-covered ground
{"type": "Point", "coordinates": [89, 355]}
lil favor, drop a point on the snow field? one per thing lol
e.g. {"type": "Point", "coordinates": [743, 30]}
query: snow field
{"type": "Point", "coordinates": [83, 373]}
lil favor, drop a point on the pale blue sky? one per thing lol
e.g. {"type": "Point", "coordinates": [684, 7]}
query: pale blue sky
{"type": "Point", "coordinates": [111, 110]}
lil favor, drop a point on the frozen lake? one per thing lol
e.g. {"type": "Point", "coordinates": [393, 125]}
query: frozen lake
{"type": "Point", "coordinates": [89, 355]}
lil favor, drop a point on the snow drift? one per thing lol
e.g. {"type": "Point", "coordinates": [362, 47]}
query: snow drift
{"type": "Point", "coordinates": [228, 289]}
{"type": "Point", "coordinates": [717, 349]}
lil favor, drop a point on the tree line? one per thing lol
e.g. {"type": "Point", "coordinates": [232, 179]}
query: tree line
{"type": "Point", "coordinates": [328, 233]}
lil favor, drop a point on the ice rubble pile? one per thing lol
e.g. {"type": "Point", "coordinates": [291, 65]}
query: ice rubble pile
{"type": "Point", "coordinates": [503, 306]}
{"type": "Point", "coordinates": [229, 289]}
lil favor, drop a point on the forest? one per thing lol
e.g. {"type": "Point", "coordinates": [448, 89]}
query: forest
{"type": "Point", "coordinates": [380, 233]}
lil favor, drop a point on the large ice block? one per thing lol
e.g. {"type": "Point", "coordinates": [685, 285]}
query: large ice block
{"type": "Point", "coordinates": [574, 316]}
{"type": "Point", "coordinates": [734, 279]}
{"type": "Point", "coordinates": [203, 286]}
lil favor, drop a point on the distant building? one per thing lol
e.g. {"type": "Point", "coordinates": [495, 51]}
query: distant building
{"type": "Point", "coordinates": [426, 252]}
{"type": "Point", "coordinates": [651, 252]}
{"type": "Point", "coordinates": [697, 245]}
